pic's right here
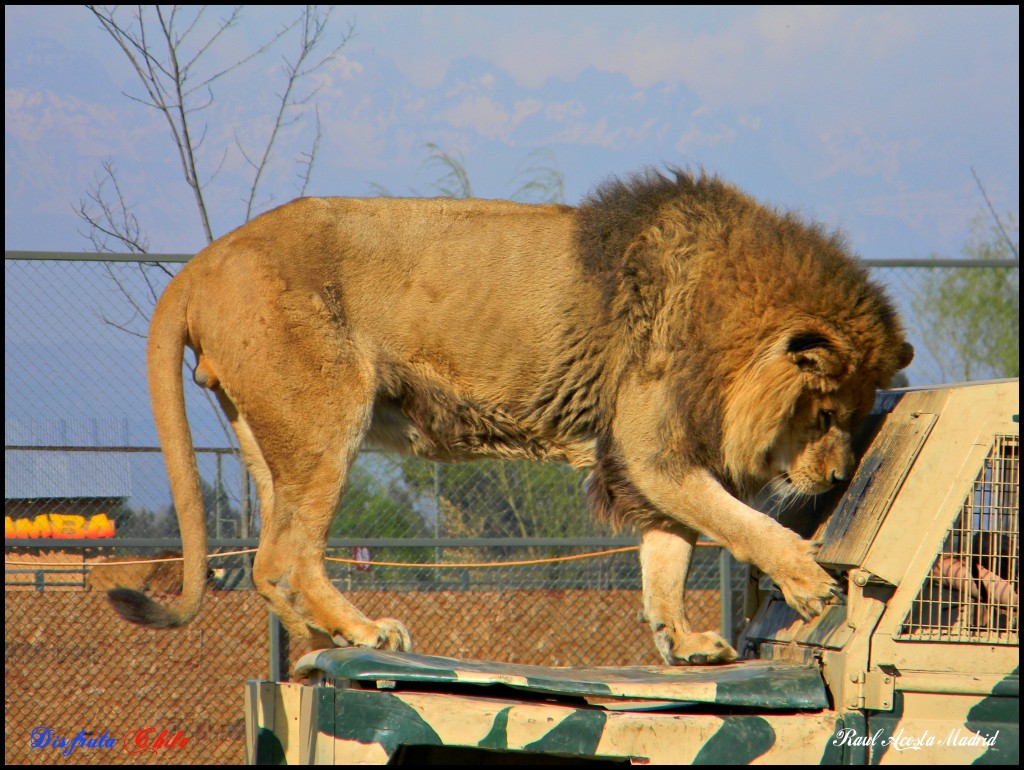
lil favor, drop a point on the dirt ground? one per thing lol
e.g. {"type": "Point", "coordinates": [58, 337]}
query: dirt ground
{"type": "Point", "coordinates": [70, 664]}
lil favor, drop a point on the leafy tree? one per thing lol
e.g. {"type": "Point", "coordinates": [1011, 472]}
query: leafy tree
{"type": "Point", "coordinates": [493, 498]}
{"type": "Point", "coordinates": [216, 502]}
{"type": "Point", "coordinates": [969, 317]}
{"type": "Point", "coordinates": [144, 522]}
{"type": "Point", "coordinates": [374, 507]}
{"type": "Point", "coordinates": [141, 522]}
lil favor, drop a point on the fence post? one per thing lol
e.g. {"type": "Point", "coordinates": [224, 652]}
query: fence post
{"type": "Point", "coordinates": [278, 648]}
{"type": "Point", "coordinates": [725, 592]}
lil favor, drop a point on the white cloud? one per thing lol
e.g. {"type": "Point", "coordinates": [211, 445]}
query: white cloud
{"type": "Point", "coordinates": [345, 68]}
{"type": "Point", "coordinates": [488, 117]}
{"type": "Point", "coordinates": [481, 114]}
{"type": "Point", "coordinates": [561, 112]}
{"type": "Point", "coordinates": [596, 134]}
{"type": "Point", "coordinates": [695, 137]}
{"type": "Point", "coordinates": [852, 149]}
{"type": "Point", "coordinates": [92, 130]}
{"type": "Point", "coordinates": [758, 55]}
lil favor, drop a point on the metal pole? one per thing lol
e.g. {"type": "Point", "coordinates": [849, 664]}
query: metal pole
{"type": "Point", "coordinates": [216, 498]}
{"type": "Point", "coordinates": [437, 521]}
{"type": "Point", "coordinates": [243, 502]}
{"type": "Point", "coordinates": [278, 648]}
{"type": "Point", "coordinates": [245, 517]}
{"type": "Point", "coordinates": [725, 591]}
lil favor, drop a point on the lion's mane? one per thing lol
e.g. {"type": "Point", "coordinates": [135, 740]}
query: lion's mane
{"type": "Point", "coordinates": [702, 284]}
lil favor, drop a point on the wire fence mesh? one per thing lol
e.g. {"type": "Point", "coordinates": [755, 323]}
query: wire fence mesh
{"type": "Point", "coordinates": [82, 463]}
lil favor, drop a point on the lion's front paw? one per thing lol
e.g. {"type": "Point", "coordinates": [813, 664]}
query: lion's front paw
{"type": "Point", "coordinates": [806, 586]}
{"type": "Point", "coordinates": [692, 649]}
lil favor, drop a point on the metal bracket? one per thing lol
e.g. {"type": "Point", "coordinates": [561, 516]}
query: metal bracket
{"type": "Point", "coordinates": [879, 690]}
{"type": "Point", "coordinates": [875, 690]}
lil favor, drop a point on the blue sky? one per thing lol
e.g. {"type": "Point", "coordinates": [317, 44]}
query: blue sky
{"type": "Point", "coordinates": [867, 118]}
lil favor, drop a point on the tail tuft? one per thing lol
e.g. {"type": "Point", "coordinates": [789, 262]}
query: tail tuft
{"type": "Point", "coordinates": [136, 607]}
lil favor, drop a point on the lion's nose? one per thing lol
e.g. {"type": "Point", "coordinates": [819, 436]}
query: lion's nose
{"type": "Point", "coordinates": [842, 471]}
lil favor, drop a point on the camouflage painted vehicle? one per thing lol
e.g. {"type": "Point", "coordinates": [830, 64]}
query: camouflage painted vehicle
{"type": "Point", "coordinates": [917, 662]}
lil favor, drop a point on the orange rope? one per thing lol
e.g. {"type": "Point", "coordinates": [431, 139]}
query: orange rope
{"type": "Point", "coordinates": [428, 565]}
{"type": "Point", "coordinates": [14, 563]}
{"type": "Point", "coordinates": [335, 559]}
{"type": "Point", "coordinates": [425, 565]}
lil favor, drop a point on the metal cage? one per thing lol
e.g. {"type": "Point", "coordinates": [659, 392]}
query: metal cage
{"type": "Point", "coordinates": [971, 592]}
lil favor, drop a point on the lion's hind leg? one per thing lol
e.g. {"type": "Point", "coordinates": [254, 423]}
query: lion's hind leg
{"type": "Point", "coordinates": [666, 550]}
{"type": "Point", "coordinates": [298, 444]}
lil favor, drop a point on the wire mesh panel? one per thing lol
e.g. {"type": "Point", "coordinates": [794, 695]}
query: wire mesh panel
{"type": "Point", "coordinates": [571, 612]}
{"type": "Point", "coordinates": [971, 593]}
{"type": "Point", "coordinates": [81, 454]}
{"type": "Point", "coordinates": [72, 665]}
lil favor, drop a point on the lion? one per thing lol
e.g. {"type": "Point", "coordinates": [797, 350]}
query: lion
{"type": "Point", "coordinates": [139, 575]}
{"type": "Point", "coordinates": [681, 342]}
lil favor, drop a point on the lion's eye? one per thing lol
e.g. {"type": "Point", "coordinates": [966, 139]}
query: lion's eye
{"type": "Point", "coordinates": [824, 420]}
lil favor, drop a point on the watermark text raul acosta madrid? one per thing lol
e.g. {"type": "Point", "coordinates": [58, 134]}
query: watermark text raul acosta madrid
{"type": "Point", "coordinates": [903, 741]}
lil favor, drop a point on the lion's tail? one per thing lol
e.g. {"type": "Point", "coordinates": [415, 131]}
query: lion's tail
{"type": "Point", "coordinates": [168, 332]}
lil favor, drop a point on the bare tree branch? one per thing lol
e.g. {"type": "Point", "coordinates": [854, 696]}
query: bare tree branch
{"type": "Point", "coordinates": [309, 159]}
{"type": "Point", "coordinates": [314, 27]}
{"type": "Point", "coordinates": [999, 224]}
{"type": "Point", "coordinates": [115, 219]}
{"type": "Point", "coordinates": [169, 49]}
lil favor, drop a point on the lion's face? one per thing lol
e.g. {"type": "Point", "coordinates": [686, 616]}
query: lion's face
{"type": "Point", "coordinates": [791, 416]}
{"type": "Point", "coordinates": [814, 451]}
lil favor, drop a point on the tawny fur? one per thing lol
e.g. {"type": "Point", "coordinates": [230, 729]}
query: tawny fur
{"type": "Point", "coordinates": [678, 339]}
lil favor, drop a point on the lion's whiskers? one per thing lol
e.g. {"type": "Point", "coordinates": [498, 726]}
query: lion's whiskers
{"type": "Point", "coordinates": [780, 494]}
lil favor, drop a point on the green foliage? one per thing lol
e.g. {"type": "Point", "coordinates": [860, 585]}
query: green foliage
{"type": "Point", "coordinates": [492, 498]}
{"type": "Point", "coordinates": [375, 506]}
{"type": "Point", "coordinates": [142, 522]}
{"type": "Point", "coordinates": [969, 318]}
{"type": "Point", "coordinates": [497, 499]}
{"type": "Point", "coordinates": [541, 181]}
{"type": "Point", "coordinates": [538, 178]}
{"type": "Point", "coordinates": [454, 179]}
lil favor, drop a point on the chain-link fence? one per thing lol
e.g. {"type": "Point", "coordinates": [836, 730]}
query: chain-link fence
{"type": "Point", "coordinates": [82, 463]}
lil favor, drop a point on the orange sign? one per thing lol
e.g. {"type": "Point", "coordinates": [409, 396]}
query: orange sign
{"type": "Point", "coordinates": [59, 526]}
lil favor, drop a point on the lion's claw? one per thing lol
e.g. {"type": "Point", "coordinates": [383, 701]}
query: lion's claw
{"type": "Point", "coordinates": [388, 634]}
{"type": "Point", "coordinates": [809, 595]}
{"type": "Point", "coordinates": [805, 585]}
{"type": "Point", "coordinates": [693, 649]}
{"type": "Point", "coordinates": [393, 635]}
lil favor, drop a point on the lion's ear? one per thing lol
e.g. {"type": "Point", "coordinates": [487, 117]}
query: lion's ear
{"type": "Point", "coordinates": [815, 353]}
{"type": "Point", "coordinates": [906, 355]}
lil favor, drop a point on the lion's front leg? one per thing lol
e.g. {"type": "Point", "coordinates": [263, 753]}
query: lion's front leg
{"type": "Point", "coordinates": [666, 551]}
{"type": "Point", "coordinates": [697, 500]}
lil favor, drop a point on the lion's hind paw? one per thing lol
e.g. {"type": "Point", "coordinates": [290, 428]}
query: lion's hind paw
{"type": "Point", "coordinates": [393, 635]}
